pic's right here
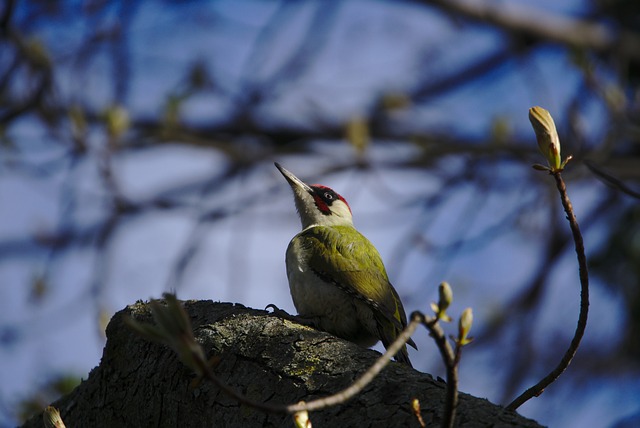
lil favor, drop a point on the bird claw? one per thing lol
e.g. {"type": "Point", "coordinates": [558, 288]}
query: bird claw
{"type": "Point", "coordinates": [280, 313]}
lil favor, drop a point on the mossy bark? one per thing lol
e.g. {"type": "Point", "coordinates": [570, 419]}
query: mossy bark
{"type": "Point", "coordinates": [143, 384]}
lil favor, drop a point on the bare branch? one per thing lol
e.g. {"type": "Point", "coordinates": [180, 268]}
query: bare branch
{"type": "Point", "coordinates": [450, 359]}
{"type": "Point", "coordinates": [533, 22]}
{"type": "Point", "coordinates": [538, 388]}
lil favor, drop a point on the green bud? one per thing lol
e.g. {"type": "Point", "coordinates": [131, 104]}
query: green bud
{"type": "Point", "coordinates": [445, 294]}
{"type": "Point", "coordinates": [117, 120]}
{"type": "Point", "coordinates": [395, 101]}
{"type": "Point", "coordinates": [172, 328]}
{"type": "Point", "coordinates": [615, 97]}
{"type": "Point", "coordinates": [172, 110]}
{"type": "Point", "coordinates": [547, 136]}
{"type": "Point", "coordinates": [500, 130]}
{"type": "Point", "coordinates": [357, 133]}
{"type": "Point", "coordinates": [445, 297]}
{"type": "Point", "coordinates": [37, 53]}
{"type": "Point", "coordinates": [78, 119]}
{"type": "Point", "coordinates": [464, 326]}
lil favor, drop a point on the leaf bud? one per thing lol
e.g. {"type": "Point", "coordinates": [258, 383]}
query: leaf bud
{"type": "Point", "coordinates": [464, 326]}
{"type": "Point", "coordinates": [547, 136]}
{"type": "Point", "coordinates": [51, 418]}
{"type": "Point", "coordinates": [301, 418]}
{"type": "Point", "coordinates": [445, 297]}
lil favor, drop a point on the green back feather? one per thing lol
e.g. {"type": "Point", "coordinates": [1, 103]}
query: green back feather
{"type": "Point", "coordinates": [343, 256]}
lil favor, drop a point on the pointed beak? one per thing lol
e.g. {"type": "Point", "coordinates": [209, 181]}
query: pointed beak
{"type": "Point", "coordinates": [294, 181]}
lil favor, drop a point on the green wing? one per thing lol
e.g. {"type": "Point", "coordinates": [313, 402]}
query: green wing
{"type": "Point", "coordinates": [344, 257]}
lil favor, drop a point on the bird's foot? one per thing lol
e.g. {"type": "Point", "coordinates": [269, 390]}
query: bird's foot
{"type": "Point", "coordinates": [280, 313]}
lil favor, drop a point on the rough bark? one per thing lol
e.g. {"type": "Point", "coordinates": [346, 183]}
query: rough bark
{"type": "Point", "coordinates": [143, 384]}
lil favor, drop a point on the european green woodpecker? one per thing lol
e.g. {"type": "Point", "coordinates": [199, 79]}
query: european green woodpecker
{"type": "Point", "coordinates": [336, 276]}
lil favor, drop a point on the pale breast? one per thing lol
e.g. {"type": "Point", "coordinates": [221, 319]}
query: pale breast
{"type": "Point", "coordinates": [331, 309]}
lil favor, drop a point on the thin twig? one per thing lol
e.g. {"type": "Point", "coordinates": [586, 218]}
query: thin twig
{"type": "Point", "coordinates": [609, 179]}
{"type": "Point", "coordinates": [450, 359]}
{"type": "Point", "coordinates": [538, 388]}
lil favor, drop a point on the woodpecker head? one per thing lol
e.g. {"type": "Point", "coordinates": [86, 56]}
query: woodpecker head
{"type": "Point", "coordinates": [316, 204]}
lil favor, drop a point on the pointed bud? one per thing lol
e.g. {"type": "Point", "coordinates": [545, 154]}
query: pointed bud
{"type": "Point", "coordinates": [172, 110]}
{"type": "Point", "coordinates": [464, 326]}
{"type": "Point", "coordinates": [51, 418]}
{"type": "Point", "coordinates": [395, 101]}
{"type": "Point", "coordinates": [116, 120]}
{"type": "Point", "coordinates": [357, 133]}
{"type": "Point", "coordinates": [172, 328]}
{"type": "Point", "coordinates": [547, 136]}
{"type": "Point", "coordinates": [415, 406]}
{"type": "Point", "coordinates": [445, 297]}
{"type": "Point", "coordinates": [445, 294]}
{"type": "Point", "coordinates": [301, 419]}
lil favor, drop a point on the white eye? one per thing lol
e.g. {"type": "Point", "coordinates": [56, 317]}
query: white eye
{"type": "Point", "coordinates": [328, 196]}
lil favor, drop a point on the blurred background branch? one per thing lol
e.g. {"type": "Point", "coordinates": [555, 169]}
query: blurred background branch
{"type": "Point", "coordinates": [137, 139]}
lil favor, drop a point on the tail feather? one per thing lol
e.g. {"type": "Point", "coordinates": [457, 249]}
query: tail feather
{"type": "Point", "coordinates": [388, 332]}
{"type": "Point", "coordinates": [403, 357]}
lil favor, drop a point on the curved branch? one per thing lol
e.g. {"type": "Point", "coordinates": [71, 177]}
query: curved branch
{"type": "Point", "coordinates": [538, 388]}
